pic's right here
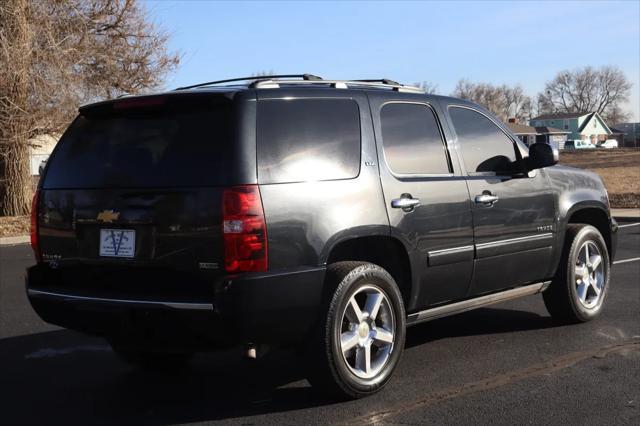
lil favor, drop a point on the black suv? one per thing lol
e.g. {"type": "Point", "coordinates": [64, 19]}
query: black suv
{"type": "Point", "coordinates": [293, 210]}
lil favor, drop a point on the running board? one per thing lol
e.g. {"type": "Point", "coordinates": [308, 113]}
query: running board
{"type": "Point", "coordinates": [478, 302]}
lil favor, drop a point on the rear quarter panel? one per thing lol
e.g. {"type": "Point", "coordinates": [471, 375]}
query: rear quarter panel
{"type": "Point", "coordinates": [306, 219]}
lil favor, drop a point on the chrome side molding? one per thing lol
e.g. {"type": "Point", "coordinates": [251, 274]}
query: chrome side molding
{"type": "Point", "coordinates": [74, 298]}
{"type": "Point", "coordinates": [478, 302]}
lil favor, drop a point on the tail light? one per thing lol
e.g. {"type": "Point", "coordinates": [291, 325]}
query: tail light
{"type": "Point", "coordinates": [35, 244]}
{"type": "Point", "coordinates": [244, 229]}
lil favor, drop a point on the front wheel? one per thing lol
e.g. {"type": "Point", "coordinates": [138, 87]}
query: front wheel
{"type": "Point", "coordinates": [361, 337]}
{"type": "Point", "coordinates": [580, 287]}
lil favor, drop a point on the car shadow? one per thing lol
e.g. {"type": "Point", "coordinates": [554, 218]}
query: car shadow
{"type": "Point", "coordinates": [477, 322]}
{"type": "Point", "coordinates": [66, 377]}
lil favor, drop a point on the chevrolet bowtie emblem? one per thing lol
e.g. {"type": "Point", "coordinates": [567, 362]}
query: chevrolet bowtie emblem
{"type": "Point", "coordinates": [108, 216]}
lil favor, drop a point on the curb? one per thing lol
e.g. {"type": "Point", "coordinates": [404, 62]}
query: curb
{"type": "Point", "coordinates": [626, 215]}
{"type": "Point", "coordinates": [626, 219]}
{"type": "Point", "coordinates": [11, 241]}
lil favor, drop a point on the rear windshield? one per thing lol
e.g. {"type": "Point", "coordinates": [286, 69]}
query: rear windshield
{"type": "Point", "coordinates": [173, 145]}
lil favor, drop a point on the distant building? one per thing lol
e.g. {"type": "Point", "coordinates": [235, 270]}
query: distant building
{"type": "Point", "coordinates": [552, 136]}
{"type": "Point", "coordinates": [618, 135]}
{"type": "Point", "coordinates": [631, 137]}
{"type": "Point", "coordinates": [585, 126]}
{"type": "Point", "coordinates": [528, 135]}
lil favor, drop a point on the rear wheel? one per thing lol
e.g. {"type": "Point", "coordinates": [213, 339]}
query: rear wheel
{"type": "Point", "coordinates": [361, 337]}
{"type": "Point", "coordinates": [580, 287]}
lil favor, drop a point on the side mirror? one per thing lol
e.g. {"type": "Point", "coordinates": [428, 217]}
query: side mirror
{"type": "Point", "coordinates": [541, 155]}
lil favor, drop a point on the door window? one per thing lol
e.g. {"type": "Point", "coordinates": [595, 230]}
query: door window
{"type": "Point", "coordinates": [411, 140]}
{"type": "Point", "coordinates": [485, 147]}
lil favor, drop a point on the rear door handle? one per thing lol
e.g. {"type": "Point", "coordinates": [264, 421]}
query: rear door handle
{"type": "Point", "coordinates": [405, 203]}
{"type": "Point", "coordinates": [487, 199]}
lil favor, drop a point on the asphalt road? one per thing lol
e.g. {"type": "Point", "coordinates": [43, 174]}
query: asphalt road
{"type": "Point", "coordinates": [508, 364]}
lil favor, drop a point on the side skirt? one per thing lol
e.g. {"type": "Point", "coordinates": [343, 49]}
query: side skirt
{"type": "Point", "coordinates": [478, 302]}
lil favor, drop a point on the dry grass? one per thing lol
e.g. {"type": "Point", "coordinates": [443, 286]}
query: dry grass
{"type": "Point", "coordinates": [619, 168]}
{"type": "Point", "coordinates": [13, 226]}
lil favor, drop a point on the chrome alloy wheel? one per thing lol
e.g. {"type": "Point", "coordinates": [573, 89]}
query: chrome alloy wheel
{"type": "Point", "coordinates": [367, 332]}
{"type": "Point", "coordinates": [589, 275]}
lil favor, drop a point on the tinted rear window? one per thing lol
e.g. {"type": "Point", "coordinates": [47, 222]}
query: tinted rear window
{"type": "Point", "coordinates": [307, 140]}
{"type": "Point", "coordinates": [412, 140]}
{"type": "Point", "coordinates": [183, 144]}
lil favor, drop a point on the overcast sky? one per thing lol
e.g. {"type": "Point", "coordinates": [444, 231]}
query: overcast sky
{"type": "Point", "coordinates": [440, 42]}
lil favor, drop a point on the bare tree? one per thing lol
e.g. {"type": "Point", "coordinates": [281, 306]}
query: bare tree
{"type": "Point", "coordinates": [428, 87]}
{"type": "Point", "coordinates": [586, 89]}
{"type": "Point", "coordinates": [55, 55]}
{"type": "Point", "coordinates": [504, 101]}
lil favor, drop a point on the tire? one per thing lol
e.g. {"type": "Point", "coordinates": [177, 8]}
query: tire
{"type": "Point", "coordinates": [346, 374]}
{"type": "Point", "coordinates": [579, 288]}
{"type": "Point", "coordinates": [152, 360]}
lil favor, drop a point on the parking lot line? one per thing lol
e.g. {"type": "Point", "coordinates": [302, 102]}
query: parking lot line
{"type": "Point", "coordinates": [626, 260]}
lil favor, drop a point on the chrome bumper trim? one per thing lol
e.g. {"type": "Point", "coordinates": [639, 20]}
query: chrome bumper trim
{"type": "Point", "coordinates": [74, 298]}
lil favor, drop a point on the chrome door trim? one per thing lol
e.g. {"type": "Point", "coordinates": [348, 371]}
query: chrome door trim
{"type": "Point", "coordinates": [75, 298]}
{"type": "Point", "coordinates": [450, 255]}
{"type": "Point", "coordinates": [478, 302]}
{"type": "Point", "coordinates": [514, 245]}
{"type": "Point", "coordinates": [451, 250]}
{"type": "Point", "coordinates": [534, 237]}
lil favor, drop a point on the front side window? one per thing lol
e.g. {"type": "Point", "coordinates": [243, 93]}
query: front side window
{"type": "Point", "coordinates": [411, 139]}
{"type": "Point", "coordinates": [485, 147]}
{"type": "Point", "coordinates": [308, 140]}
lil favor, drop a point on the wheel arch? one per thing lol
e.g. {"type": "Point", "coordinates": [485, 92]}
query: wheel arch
{"type": "Point", "coordinates": [383, 250]}
{"type": "Point", "coordinates": [596, 215]}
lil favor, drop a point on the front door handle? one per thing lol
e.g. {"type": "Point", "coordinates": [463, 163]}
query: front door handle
{"type": "Point", "coordinates": [406, 202]}
{"type": "Point", "coordinates": [487, 199]}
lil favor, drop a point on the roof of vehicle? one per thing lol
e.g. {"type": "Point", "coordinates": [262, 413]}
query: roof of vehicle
{"type": "Point", "coordinates": [231, 87]}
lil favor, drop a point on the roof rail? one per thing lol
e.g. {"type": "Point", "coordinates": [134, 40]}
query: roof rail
{"type": "Point", "coordinates": [339, 84]}
{"type": "Point", "coordinates": [379, 80]}
{"type": "Point", "coordinates": [304, 77]}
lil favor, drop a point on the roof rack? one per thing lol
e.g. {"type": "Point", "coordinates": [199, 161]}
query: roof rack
{"type": "Point", "coordinates": [379, 80]}
{"type": "Point", "coordinates": [338, 84]}
{"type": "Point", "coordinates": [275, 82]}
{"type": "Point", "coordinates": [304, 77]}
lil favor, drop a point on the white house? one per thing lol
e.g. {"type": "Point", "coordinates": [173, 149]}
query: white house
{"type": "Point", "coordinates": [40, 149]}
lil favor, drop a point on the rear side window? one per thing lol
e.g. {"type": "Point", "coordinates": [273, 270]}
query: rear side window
{"type": "Point", "coordinates": [485, 147]}
{"type": "Point", "coordinates": [412, 140]}
{"type": "Point", "coordinates": [307, 140]}
{"type": "Point", "coordinates": [171, 146]}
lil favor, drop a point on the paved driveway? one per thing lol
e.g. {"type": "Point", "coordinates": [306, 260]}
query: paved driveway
{"type": "Point", "coordinates": [508, 364]}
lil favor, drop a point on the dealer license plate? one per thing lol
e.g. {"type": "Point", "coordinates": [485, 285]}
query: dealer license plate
{"type": "Point", "coordinates": [117, 242]}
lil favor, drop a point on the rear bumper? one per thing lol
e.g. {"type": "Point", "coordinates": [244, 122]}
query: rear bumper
{"type": "Point", "coordinates": [275, 307]}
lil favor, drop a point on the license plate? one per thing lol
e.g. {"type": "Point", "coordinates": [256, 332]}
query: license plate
{"type": "Point", "coordinates": [117, 242]}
